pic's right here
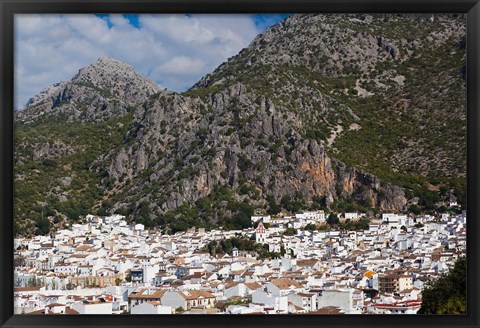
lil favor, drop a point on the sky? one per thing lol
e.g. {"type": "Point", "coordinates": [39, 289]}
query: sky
{"type": "Point", "coordinates": [174, 50]}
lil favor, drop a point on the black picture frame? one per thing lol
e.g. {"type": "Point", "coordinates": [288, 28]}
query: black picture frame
{"type": "Point", "coordinates": [11, 7]}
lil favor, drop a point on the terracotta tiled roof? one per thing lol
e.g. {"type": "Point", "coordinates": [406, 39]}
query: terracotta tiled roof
{"type": "Point", "coordinates": [82, 248]}
{"type": "Point", "coordinates": [194, 294]}
{"type": "Point", "coordinates": [155, 294]}
{"type": "Point", "coordinates": [327, 310]}
{"type": "Point", "coordinates": [285, 283]}
{"type": "Point", "coordinates": [253, 285]}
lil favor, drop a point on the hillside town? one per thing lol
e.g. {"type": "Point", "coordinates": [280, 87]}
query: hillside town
{"type": "Point", "coordinates": [106, 266]}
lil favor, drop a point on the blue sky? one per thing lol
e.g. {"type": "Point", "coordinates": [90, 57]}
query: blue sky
{"type": "Point", "coordinates": [262, 21]}
{"type": "Point", "coordinates": [173, 50]}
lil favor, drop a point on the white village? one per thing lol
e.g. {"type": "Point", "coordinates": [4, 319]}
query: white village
{"type": "Point", "coordinates": [106, 266]}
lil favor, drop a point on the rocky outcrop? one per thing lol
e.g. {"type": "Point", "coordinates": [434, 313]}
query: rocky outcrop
{"type": "Point", "coordinates": [368, 189]}
{"type": "Point", "coordinates": [51, 150]}
{"type": "Point", "coordinates": [387, 47]}
{"type": "Point", "coordinates": [107, 88]}
{"type": "Point", "coordinates": [239, 142]}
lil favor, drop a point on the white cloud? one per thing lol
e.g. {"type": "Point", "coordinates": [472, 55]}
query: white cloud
{"type": "Point", "coordinates": [181, 65]}
{"type": "Point", "coordinates": [174, 50]}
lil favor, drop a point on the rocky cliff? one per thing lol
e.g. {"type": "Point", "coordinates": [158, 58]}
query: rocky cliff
{"type": "Point", "coordinates": [180, 155]}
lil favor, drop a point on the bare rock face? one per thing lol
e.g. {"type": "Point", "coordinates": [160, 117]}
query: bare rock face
{"type": "Point", "coordinates": [241, 141]}
{"type": "Point", "coordinates": [118, 78]}
{"type": "Point", "coordinates": [387, 47]}
{"type": "Point", "coordinates": [51, 150]}
{"type": "Point", "coordinates": [369, 190]}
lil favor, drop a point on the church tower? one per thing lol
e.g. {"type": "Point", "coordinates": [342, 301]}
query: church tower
{"type": "Point", "coordinates": [260, 234]}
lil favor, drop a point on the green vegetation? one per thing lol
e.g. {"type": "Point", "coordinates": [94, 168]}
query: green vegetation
{"type": "Point", "coordinates": [104, 92]}
{"type": "Point", "coordinates": [293, 204]}
{"type": "Point", "coordinates": [225, 246]}
{"type": "Point", "coordinates": [448, 294]}
{"type": "Point", "coordinates": [343, 205]}
{"type": "Point", "coordinates": [273, 207]}
{"type": "Point", "coordinates": [310, 227]}
{"type": "Point", "coordinates": [333, 219]}
{"type": "Point", "coordinates": [42, 226]}
{"type": "Point", "coordinates": [63, 183]}
{"type": "Point", "coordinates": [219, 209]}
{"type": "Point", "coordinates": [289, 232]}
{"type": "Point", "coordinates": [238, 301]}
{"type": "Point", "coordinates": [350, 225]}
{"type": "Point", "coordinates": [203, 92]}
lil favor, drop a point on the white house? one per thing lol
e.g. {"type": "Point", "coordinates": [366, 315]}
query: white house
{"type": "Point", "coordinates": [189, 299]}
{"type": "Point", "coordinates": [350, 301]}
{"type": "Point", "coordinates": [93, 307]}
{"type": "Point", "coordinates": [152, 307]}
{"type": "Point", "coordinates": [318, 216]}
{"type": "Point", "coordinates": [307, 301]}
{"type": "Point", "coordinates": [351, 216]}
{"type": "Point", "coordinates": [283, 287]}
{"type": "Point", "coordinates": [279, 303]}
{"type": "Point", "coordinates": [240, 289]}
{"type": "Point", "coordinates": [263, 218]}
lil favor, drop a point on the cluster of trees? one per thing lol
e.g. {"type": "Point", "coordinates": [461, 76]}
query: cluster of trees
{"type": "Point", "coordinates": [42, 226]}
{"type": "Point", "coordinates": [294, 204]}
{"type": "Point", "coordinates": [448, 294]}
{"type": "Point", "coordinates": [352, 205]}
{"type": "Point", "coordinates": [220, 208]}
{"type": "Point", "coordinates": [226, 246]}
{"type": "Point", "coordinates": [362, 224]}
{"type": "Point", "coordinates": [333, 220]}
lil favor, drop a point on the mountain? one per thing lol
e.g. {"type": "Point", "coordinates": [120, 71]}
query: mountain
{"type": "Point", "coordinates": [344, 112]}
{"type": "Point", "coordinates": [104, 89]}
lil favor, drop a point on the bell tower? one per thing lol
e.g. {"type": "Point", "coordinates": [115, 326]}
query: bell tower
{"type": "Point", "coordinates": [260, 234]}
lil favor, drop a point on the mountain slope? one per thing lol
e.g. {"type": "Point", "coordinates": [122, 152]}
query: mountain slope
{"type": "Point", "coordinates": [238, 142]}
{"type": "Point", "coordinates": [320, 111]}
{"type": "Point", "coordinates": [383, 70]}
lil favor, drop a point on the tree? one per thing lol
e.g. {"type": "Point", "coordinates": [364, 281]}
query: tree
{"type": "Point", "coordinates": [362, 224]}
{"type": "Point", "coordinates": [448, 294]}
{"type": "Point", "coordinates": [273, 208]}
{"type": "Point", "coordinates": [415, 209]}
{"type": "Point", "coordinates": [333, 219]}
{"type": "Point", "coordinates": [289, 232]}
{"type": "Point", "coordinates": [128, 278]}
{"type": "Point", "coordinates": [310, 227]}
{"type": "Point", "coordinates": [241, 221]}
{"type": "Point", "coordinates": [43, 226]}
